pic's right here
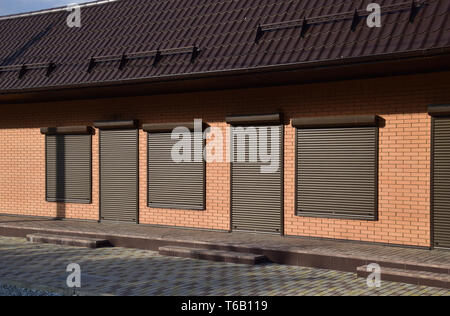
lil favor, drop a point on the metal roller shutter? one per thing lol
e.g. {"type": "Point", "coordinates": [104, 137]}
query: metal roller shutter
{"type": "Point", "coordinates": [337, 172]}
{"type": "Point", "coordinates": [441, 182]}
{"type": "Point", "coordinates": [170, 184]}
{"type": "Point", "coordinates": [119, 175]}
{"type": "Point", "coordinates": [256, 197]}
{"type": "Point", "coordinates": [68, 168]}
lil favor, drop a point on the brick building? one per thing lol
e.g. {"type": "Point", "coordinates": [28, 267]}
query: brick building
{"type": "Point", "coordinates": [86, 115]}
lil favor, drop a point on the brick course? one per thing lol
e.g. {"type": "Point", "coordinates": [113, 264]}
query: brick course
{"type": "Point", "coordinates": [404, 151]}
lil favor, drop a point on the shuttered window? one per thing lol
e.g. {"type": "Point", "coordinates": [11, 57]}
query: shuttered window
{"type": "Point", "coordinates": [119, 173]}
{"type": "Point", "coordinates": [441, 182]}
{"type": "Point", "coordinates": [178, 185]}
{"type": "Point", "coordinates": [337, 172]}
{"type": "Point", "coordinates": [68, 168]}
{"type": "Point", "coordinates": [257, 196]}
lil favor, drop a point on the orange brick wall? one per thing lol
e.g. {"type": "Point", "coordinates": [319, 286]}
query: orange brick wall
{"type": "Point", "coordinates": [404, 151]}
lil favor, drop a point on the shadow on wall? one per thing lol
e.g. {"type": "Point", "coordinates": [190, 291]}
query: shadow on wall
{"type": "Point", "coordinates": [357, 97]}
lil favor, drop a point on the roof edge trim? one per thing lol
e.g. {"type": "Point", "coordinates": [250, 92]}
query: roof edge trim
{"type": "Point", "coordinates": [52, 10]}
{"type": "Point", "coordinates": [388, 57]}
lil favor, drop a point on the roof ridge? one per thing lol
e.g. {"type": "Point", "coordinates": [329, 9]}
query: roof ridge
{"type": "Point", "coordinates": [52, 10]}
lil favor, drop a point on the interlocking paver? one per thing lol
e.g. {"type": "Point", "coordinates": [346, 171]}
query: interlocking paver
{"type": "Point", "coordinates": [120, 271]}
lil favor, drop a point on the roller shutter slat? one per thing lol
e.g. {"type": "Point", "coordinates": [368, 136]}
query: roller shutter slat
{"type": "Point", "coordinates": [337, 172]}
{"type": "Point", "coordinates": [118, 175]}
{"type": "Point", "coordinates": [256, 197]}
{"type": "Point", "coordinates": [441, 182]}
{"type": "Point", "coordinates": [68, 168]}
{"type": "Point", "coordinates": [172, 184]}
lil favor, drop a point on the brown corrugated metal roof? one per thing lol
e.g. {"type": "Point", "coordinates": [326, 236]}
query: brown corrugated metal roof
{"type": "Point", "coordinates": [224, 31]}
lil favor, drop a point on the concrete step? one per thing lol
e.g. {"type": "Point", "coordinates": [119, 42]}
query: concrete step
{"type": "Point", "coordinates": [212, 255]}
{"type": "Point", "coordinates": [68, 240]}
{"type": "Point", "coordinates": [441, 268]}
{"type": "Point", "coordinates": [416, 277]}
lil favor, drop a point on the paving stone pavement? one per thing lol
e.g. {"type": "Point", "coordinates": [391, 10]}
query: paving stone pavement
{"type": "Point", "coordinates": [120, 271]}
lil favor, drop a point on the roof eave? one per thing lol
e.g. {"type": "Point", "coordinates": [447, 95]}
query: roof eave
{"type": "Point", "coordinates": [416, 57]}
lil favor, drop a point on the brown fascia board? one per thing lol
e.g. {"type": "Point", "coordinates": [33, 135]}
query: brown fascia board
{"type": "Point", "coordinates": [67, 130]}
{"type": "Point", "coordinates": [169, 127]}
{"type": "Point", "coordinates": [115, 124]}
{"type": "Point", "coordinates": [254, 119]}
{"type": "Point", "coordinates": [439, 110]}
{"type": "Point", "coordinates": [336, 121]}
